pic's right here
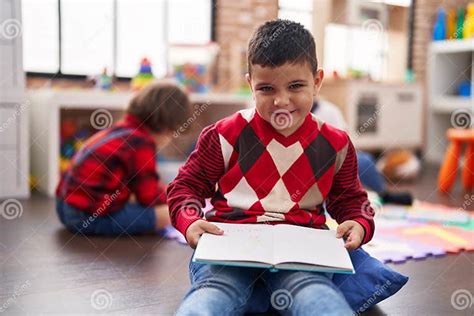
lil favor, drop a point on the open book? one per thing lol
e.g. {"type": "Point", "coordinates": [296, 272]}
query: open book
{"type": "Point", "coordinates": [276, 247]}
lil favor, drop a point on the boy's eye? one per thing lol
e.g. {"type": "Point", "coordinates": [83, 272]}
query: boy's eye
{"type": "Point", "coordinates": [296, 86]}
{"type": "Point", "coordinates": [265, 88]}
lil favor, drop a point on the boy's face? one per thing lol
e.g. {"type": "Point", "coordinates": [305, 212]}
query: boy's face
{"type": "Point", "coordinates": [284, 94]}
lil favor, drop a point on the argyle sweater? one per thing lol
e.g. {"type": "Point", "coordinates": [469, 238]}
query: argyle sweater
{"type": "Point", "coordinates": [254, 174]}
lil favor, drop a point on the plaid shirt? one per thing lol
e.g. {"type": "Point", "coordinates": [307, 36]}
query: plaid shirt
{"type": "Point", "coordinates": [265, 177]}
{"type": "Point", "coordinates": [113, 164]}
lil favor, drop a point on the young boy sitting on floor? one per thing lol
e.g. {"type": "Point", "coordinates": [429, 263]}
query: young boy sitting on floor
{"type": "Point", "coordinates": [274, 164]}
{"type": "Point", "coordinates": [112, 186]}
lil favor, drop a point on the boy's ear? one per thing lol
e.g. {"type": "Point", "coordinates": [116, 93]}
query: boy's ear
{"type": "Point", "coordinates": [249, 80]}
{"type": "Point", "coordinates": [318, 80]}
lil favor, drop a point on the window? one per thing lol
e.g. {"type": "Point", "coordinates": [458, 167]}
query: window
{"type": "Point", "coordinates": [40, 21]}
{"type": "Point", "coordinates": [359, 48]}
{"type": "Point", "coordinates": [81, 37]}
{"type": "Point", "coordinates": [298, 11]}
{"type": "Point", "coordinates": [140, 33]}
{"type": "Point", "coordinates": [86, 36]}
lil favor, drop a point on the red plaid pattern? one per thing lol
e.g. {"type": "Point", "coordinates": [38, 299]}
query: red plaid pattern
{"type": "Point", "coordinates": [113, 165]}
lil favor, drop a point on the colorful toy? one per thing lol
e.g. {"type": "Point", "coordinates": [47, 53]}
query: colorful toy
{"type": "Point", "coordinates": [104, 81]}
{"type": "Point", "coordinates": [468, 30]}
{"type": "Point", "coordinates": [451, 24]}
{"type": "Point", "coordinates": [64, 164]}
{"type": "Point", "coordinates": [439, 30]}
{"type": "Point", "coordinates": [399, 165]}
{"type": "Point", "coordinates": [464, 88]}
{"type": "Point", "coordinates": [460, 24]}
{"type": "Point", "coordinates": [68, 128]}
{"type": "Point", "coordinates": [193, 77]}
{"type": "Point", "coordinates": [144, 76]}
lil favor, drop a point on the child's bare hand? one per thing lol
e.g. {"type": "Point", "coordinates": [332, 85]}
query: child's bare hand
{"type": "Point", "coordinates": [353, 232]}
{"type": "Point", "coordinates": [199, 227]}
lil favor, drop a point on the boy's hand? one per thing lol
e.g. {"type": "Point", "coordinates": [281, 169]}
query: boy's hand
{"type": "Point", "coordinates": [353, 232]}
{"type": "Point", "coordinates": [199, 227]}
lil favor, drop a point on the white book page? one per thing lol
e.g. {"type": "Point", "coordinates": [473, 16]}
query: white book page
{"type": "Point", "coordinates": [240, 242]}
{"type": "Point", "coordinates": [298, 244]}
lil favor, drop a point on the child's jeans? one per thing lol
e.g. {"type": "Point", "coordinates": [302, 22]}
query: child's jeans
{"type": "Point", "coordinates": [226, 290]}
{"type": "Point", "coordinates": [131, 219]}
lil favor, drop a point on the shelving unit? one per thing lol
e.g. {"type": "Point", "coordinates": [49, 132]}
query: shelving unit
{"type": "Point", "coordinates": [449, 63]}
{"type": "Point", "coordinates": [49, 107]}
{"type": "Point", "coordinates": [14, 166]}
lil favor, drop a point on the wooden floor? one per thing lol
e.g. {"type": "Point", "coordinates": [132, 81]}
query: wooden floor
{"type": "Point", "coordinates": [45, 269]}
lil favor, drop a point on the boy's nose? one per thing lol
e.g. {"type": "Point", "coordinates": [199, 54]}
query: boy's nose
{"type": "Point", "coordinates": [281, 101]}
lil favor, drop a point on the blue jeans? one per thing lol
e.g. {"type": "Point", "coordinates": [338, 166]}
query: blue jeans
{"type": "Point", "coordinates": [131, 219]}
{"type": "Point", "coordinates": [226, 290]}
{"type": "Point", "coordinates": [370, 177]}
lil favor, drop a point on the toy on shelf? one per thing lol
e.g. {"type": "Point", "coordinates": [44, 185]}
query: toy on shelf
{"type": "Point", "coordinates": [192, 66]}
{"type": "Point", "coordinates": [144, 76]}
{"type": "Point", "coordinates": [72, 140]}
{"type": "Point", "coordinates": [439, 30]}
{"type": "Point", "coordinates": [104, 81]}
{"type": "Point", "coordinates": [468, 30]}
{"type": "Point", "coordinates": [451, 24]}
{"type": "Point", "coordinates": [460, 24]}
{"type": "Point", "coordinates": [192, 76]}
{"type": "Point", "coordinates": [454, 25]}
{"type": "Point", "coordinates": [464, 88]}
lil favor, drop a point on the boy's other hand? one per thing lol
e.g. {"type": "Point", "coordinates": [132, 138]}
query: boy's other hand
{"type": "Point", "coordinates": [199, 227]}
{"type": "Point", "coordinates": [353, 232]}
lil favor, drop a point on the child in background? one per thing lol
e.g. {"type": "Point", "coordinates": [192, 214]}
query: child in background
{"type": "Point", "coordinates": [112, 186]}
{"type": "Point", "coordinates": [274, 164]}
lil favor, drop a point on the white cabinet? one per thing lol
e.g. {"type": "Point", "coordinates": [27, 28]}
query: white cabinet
{"type": "Point", "coordinates": [14, 149]}
{"type": "Point", "coordinates": [449, 63]}
{"type": "Point", "coordinates": [379, 116]}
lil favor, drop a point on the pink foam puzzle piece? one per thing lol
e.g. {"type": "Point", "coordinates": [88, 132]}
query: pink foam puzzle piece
{"type": "Point", "coordinates": [395, 250]}
{"type": "Point", "coordinates": [426, 212]}
{"type": "Point", "coordinates": [451, 239]}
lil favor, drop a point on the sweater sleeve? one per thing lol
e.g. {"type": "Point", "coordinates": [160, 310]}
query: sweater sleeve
{"type": "Point", "coordinates": [196, 181]}
{"type": "Point", "coordinates": [347, 200]}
